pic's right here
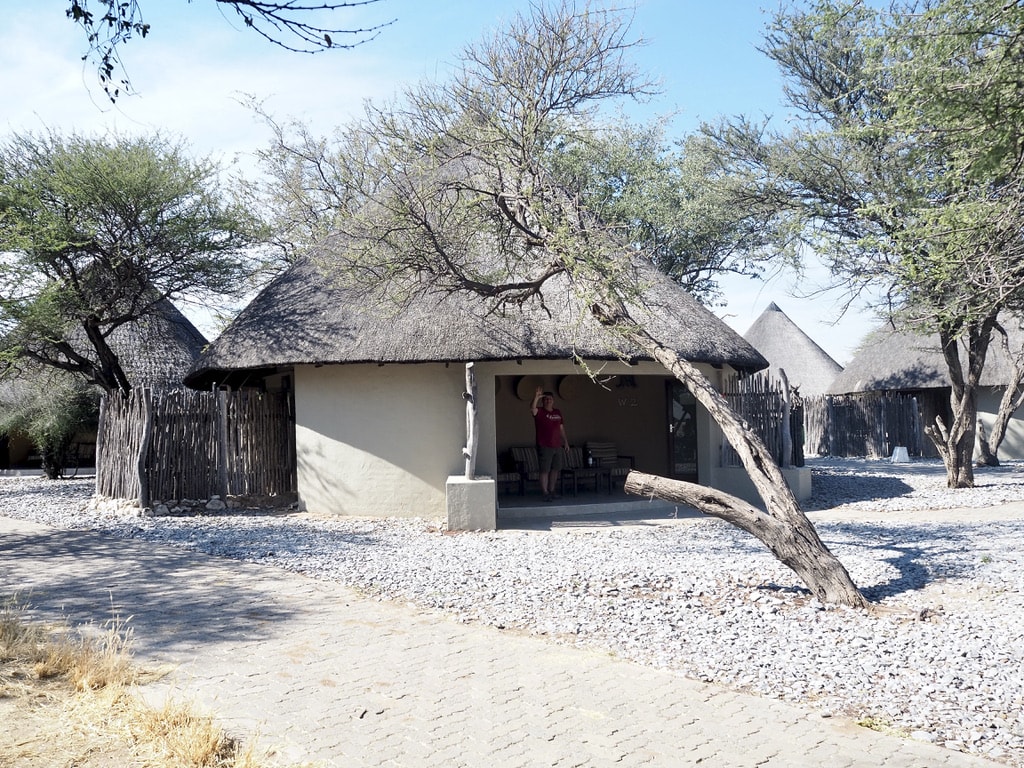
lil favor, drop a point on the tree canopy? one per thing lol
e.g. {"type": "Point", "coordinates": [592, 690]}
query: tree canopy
{"type": "Point", "coordinates": [298, 27]}
{"type": "Point", "coordinates": [895, 175]}
{"type": "Point", "coordinates": [50, 408]}
{"type": "Point", "coordinates": [97, 232]}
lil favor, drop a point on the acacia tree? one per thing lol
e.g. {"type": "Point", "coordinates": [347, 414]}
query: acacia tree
{"type": "Point", "coordinates": [962, 80]}
{"type": "Point", "coordinates": [655, 193]}
{"type": "Point", "coordinates": [631, 176]}
{"type": "Point", "coordinates": [95, 234]}
{"type": "Point", "coordinates": [474, 185]}
{"type": "Point", "coordinates": [884, 192]}
{"type": "Point", "coordinates": [110, 24]}
{"type": "Point", "coordinates": [50, 408]}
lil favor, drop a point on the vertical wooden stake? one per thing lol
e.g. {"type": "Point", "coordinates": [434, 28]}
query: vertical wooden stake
{"type": "Point", "coordinates": [100, 426]}
{"type": "Point", "coordinates": [142, 466]}
{"type": "Point", "coordinates": [222, 444]}
{"type": "Point", "coordinates": [472, 428]}
{"type": "Point", "coordinates": [787, 434]}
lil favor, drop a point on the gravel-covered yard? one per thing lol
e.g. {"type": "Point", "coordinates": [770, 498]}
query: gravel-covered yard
{"type": "Point", "coordinates": [695, 595]}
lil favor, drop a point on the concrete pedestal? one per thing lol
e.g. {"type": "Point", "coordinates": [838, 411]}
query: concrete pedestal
{"type": "Point", "coordinates": [736, 481]}
{"type": "Point", "coordinates": [472, 504]}
{"type": "Point", "coordinates": [799, 481]}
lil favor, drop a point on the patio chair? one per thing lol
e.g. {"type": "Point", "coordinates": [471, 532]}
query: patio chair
{"type": "Point", "coordinates": [576, 470]}
{"type": "Point", "coordinates": [527, 463]}
{"type": "Point", "coordinates": [509, 474]}
{"type": "Point", "coordinates": [606, 454]}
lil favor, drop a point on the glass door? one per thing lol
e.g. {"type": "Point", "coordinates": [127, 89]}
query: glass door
{"type": "Point", "coordinates": [682, 432]}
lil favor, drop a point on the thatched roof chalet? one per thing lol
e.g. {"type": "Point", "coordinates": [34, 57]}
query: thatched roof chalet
{"type": "Point", "coordinates": [377, 382]}
{"type": "Point", "coordinates": [889, 360]}
{"type": "Point", "coordinates": [787, 347]}
{"type": "Point", "coordinates": [308, 317]}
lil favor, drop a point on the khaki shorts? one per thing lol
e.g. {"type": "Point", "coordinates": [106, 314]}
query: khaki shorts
{"type": "Point", "coordinates": [550, 458]}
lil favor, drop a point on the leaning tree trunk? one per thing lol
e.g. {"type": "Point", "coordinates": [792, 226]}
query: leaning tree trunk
{"type": "Point", "coordinates": [956, 442]}
{"type": "Point", "coordinates": [1012, 400]}
{"type": "Point", "coordinates": [107, 371]}
{"type": "Point", "coordinates": [790, 537]}
{"type": "Point", "coordinates": [987, 455]}
{"type": "Point", "coordinates": [783, 527]}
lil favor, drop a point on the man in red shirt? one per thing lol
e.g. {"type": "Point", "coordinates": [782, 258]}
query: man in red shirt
{"type": "Point", "coordinates": [551, 440]}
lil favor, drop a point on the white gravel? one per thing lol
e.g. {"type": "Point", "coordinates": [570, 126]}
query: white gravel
{"type": "Point", "coordinates": [698, 596]}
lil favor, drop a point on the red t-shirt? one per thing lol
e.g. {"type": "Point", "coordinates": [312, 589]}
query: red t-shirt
{"type": "Point", "coordinates": [548, 433]}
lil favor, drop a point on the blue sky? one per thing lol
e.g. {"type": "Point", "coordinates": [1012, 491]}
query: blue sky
{"type": "Point", "coordinates": [197, 62]}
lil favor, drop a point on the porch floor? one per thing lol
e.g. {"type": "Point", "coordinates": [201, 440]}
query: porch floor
{"type": "Point", "coordinates": [618, 507]}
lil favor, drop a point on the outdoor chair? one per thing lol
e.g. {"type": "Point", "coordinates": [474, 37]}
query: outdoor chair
{"type": "Point", "coordinates": [606, 455]}
{"type": "Point", "coordinates": [527, 464]}
{"type": "Point", "coordinates": [577, 470]}
{"type": "Point", "coordinates": [509, 474]}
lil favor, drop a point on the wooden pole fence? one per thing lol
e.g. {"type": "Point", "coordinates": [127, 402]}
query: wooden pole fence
{"type": "Point", "coordinates": [169, 445]}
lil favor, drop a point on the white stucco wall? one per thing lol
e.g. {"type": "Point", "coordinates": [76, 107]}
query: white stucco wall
{"type": "Point", "coordinates": [1012, 448]}
{"type": "Point", "coordinates": [383, 440]}
{"type": "Point", "coordinates": [736, 481]}
{"type": "Point", "coordinates": [378, 440]}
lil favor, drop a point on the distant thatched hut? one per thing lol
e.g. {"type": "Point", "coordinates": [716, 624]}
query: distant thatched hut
{"type": "Point", "coordinates": [785, 346]}
{"type": "Point", "coordinates": [912, 364]}
{"type": "Point", "coordinates": [159, 349]}
{"type": "Point", "coordinates": [155, 351]}
{"type": "Point", "coordinates": [380, 417]}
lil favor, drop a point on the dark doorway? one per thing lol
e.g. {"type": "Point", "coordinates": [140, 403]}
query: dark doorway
{"type": "Point", "coordinates": [682, 432]}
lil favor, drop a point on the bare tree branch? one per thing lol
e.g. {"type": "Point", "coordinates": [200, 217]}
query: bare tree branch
{"type": "Point", "coordinates": [291, 25]}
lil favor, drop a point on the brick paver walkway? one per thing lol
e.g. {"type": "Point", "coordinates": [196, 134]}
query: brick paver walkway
{"type": "Point", "coordinates": [338, 679]}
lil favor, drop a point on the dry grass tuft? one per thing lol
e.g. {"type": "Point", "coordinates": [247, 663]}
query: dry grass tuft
{"type": "Point", "coordinates": [90, 662]}
{"type": "Point", "coordinates": [177, 735]}
{"type": "Point", "coordinates": [16, 637]}
{"type": "Point", "coordinates": [71, 698]}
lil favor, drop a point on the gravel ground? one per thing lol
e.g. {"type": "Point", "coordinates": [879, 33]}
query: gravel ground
{"type": "Point", "coordinates": [698, 596]}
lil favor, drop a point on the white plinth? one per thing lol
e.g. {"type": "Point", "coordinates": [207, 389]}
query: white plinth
{"type": "Point", "coordinates": [472, 504]}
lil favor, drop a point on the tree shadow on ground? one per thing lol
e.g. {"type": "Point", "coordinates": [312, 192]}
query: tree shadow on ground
{"type": "Point", "coordinates": [919, 554]}
{"type": "Point", "coordinates": [184, 600]}
{"type": "Point", "coordinates": [831, 489]}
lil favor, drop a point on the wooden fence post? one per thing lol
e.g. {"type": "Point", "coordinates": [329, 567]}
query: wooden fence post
{"type": "Point", "coordinates": [472, 427]}
{"type": "Point", "coordinates": [100, 424]}
{"type": "Point", "coordinates": [222, 443]}
{"type": "Point", "coordinates": [142, 466]}
{"type": "Point", "coordinates": [787, 434]}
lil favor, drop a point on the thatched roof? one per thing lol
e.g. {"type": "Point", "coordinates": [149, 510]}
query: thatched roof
{"type": "Point", "coordinates": [892, 360]}
{"type": "Point", "coordinates": [786, 346]}
{"type": "Point", "coordinates": [158, 350]}
{"type": "Point", "coordinates": [155, 351]}
{"type": "Point", "coordinates": [305, 317]}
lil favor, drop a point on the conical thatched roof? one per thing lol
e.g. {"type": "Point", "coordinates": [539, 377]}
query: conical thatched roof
{"type": "Point", "coordinates": [894, 360]}
{"type": "Point", "coordinates": [786, 346]}
{"type": "Point", "coordinates": [158, 350]}
{"type": "Point", "coordinates": [304, 317]}
{"type": "Point", "coordinates": [155, 351]}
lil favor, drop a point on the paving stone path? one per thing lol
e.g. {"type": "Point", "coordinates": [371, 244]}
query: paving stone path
{"type": "Point", "coordinates": [329, 677]}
